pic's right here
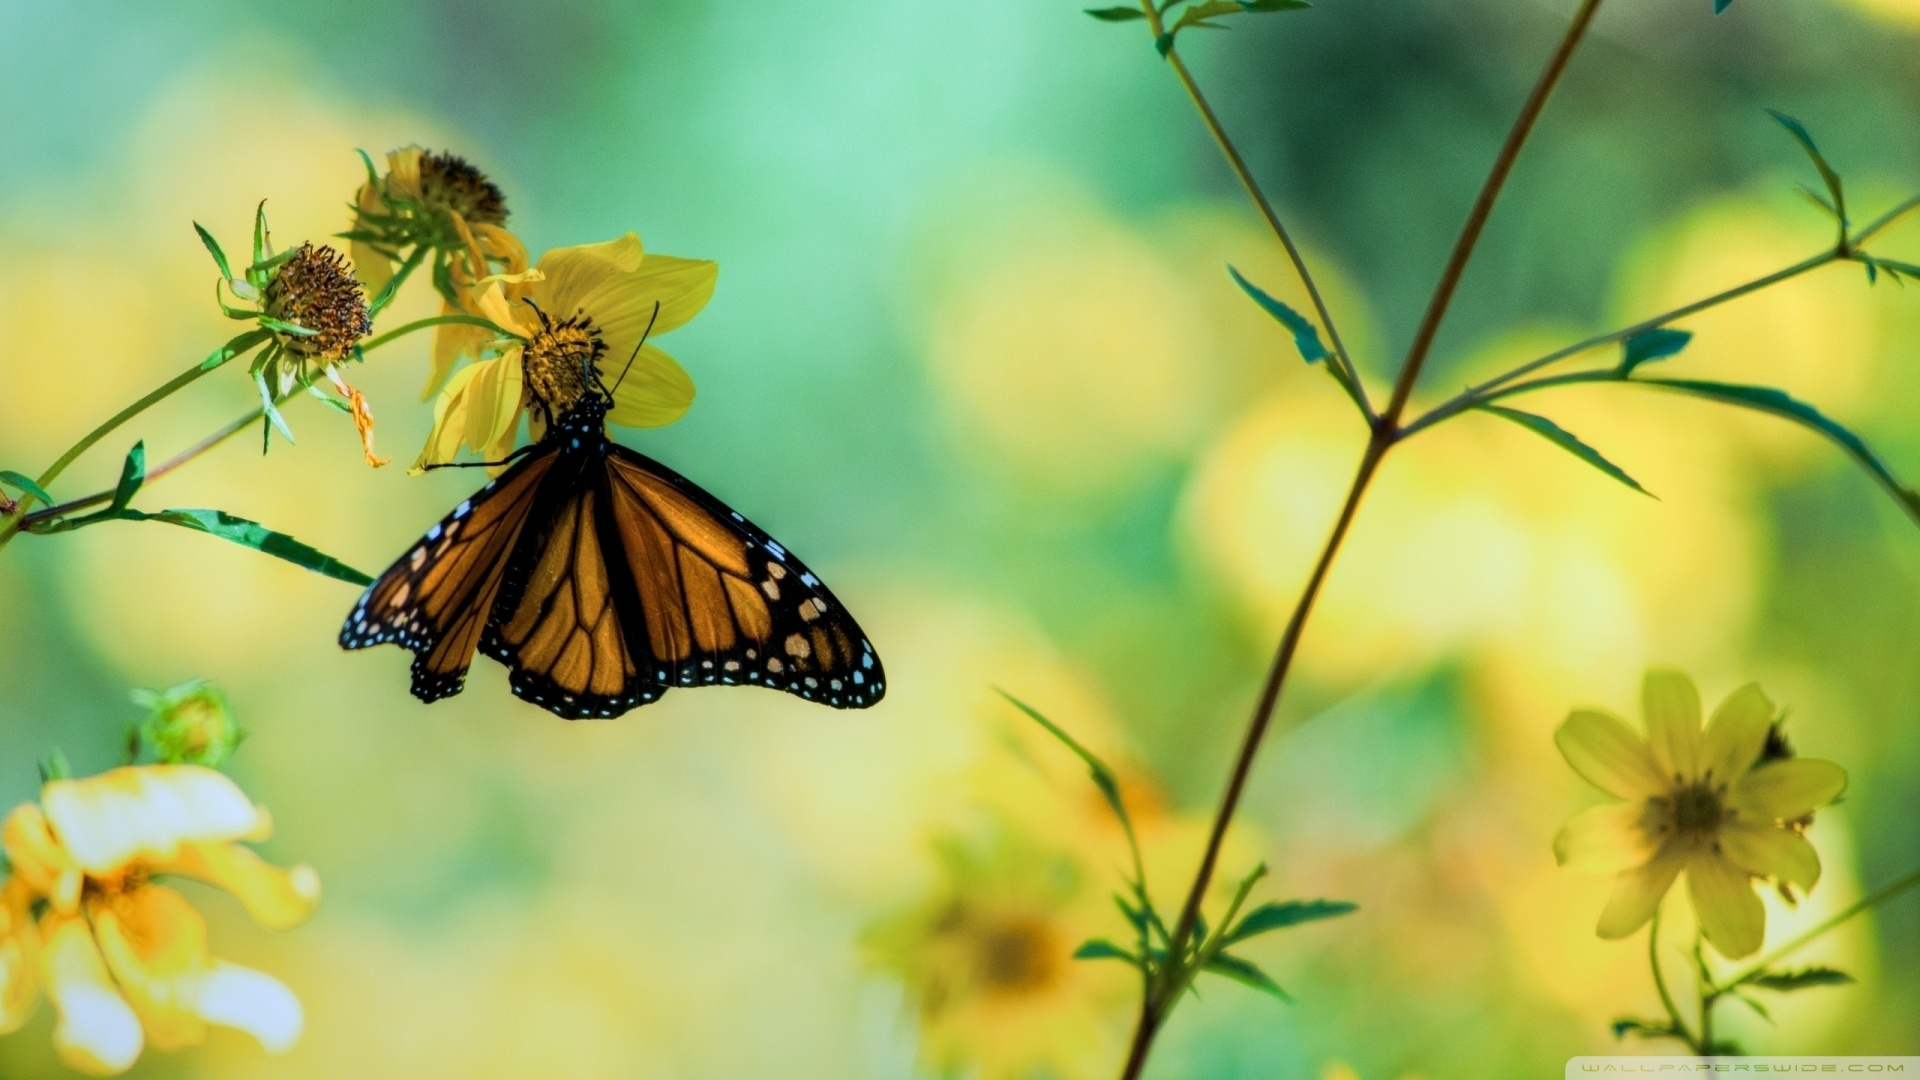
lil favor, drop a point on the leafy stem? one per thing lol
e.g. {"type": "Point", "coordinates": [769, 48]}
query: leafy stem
{"type": "Point", "coordinates": [398, 332]}
{"type": "Point", "coordinates": [1385, 433]}
{"type": "Point", "coordinates": [1351, 382]}
{"type": "Point", "coordinates": [1762, 966]}
{"type": "Point", "coordinates": [1679, 1024]}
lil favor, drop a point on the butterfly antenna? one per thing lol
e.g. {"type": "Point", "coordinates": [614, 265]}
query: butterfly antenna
{"type": "Point", "coordinates": [651, 319]}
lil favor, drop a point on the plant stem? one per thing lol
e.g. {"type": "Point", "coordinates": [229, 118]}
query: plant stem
{"type": "Point", "coordinates": [1463, 248]}
{"type": "Point", "coordinates": [1239, 166]}
{"type": "Point", "coordinates": [1884, 220]}
{"type": "Point", "coordinates": [373, 343]}
{"type": "Point", "coordinates": [1475, 395]}
{"type": "Point", "coordinates": [1871, 900]}
{"type": "Point", "coordinates": [1161, 999]}
{"type": "Point", "coordinates": [1660, 983]}
{"type": "Point", "coordinates": [172, 463]}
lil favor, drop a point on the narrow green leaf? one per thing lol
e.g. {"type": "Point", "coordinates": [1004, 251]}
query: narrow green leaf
{"type": "Point", "coordinates": [1656, 344]}
{"type": "Point", "coordinates": [260, 233]}
{"type": "Point", "coordinates": [260, 538]}
{"type": "Point", "coordinates": [1246, 973]}
{"type": "Point", "coordinates": [22, 483]}
{"type": "Point", "coordinates": [133, 473]}
{"type": "Point", "coordinates": [1777, 403]}
{"type": "Point", "coordinates": [1102, 949]}
{"type": "Point", "coordinates": [285, 327]}
{"type": "Point", "coordinates": [1646, 1029]}
{"type": "Point", "coordinates": [1721, 5]}
{"type": "Point", "coordinates": [1103, 777]}
{"type": "Point", "coordinates": [1116, 14]}
{"type": "Point", "coordinates": [1565, 440]}
{"type": "Point", "coordinates": [234, 347]}
{"type": "Point", "coordinates": [1273, 916]}
{"type": "Point", "coordinates": [1755, 1005]}
{"type": "Point", "coordinates": [1306, 336]}
{"type": "Point", "coordinates": [1788, 981]}
{"type": "Point", "coordinates": [1832, 179]}
{"type": "Point", "coordinates": [272, 411]}
{"type": "Point", "coordinates": [213, 249]}
{"type": "Point", "coordinates": [1260, 7]}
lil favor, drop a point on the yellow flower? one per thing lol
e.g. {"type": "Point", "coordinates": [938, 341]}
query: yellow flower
{"type": "Point", "coordinates": [124, 959]}
{"type": "Point", "coordinates": [435, 205]}
{"type": "Point", "coordinates": [987, 960]}
{"type": "Point", "coordinates": [581, 306]}
{"type": "Point", "coordinates": [1716, 804]}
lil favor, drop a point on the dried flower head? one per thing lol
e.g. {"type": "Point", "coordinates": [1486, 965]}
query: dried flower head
{"type": "Point", "coordinates": [315, 291]}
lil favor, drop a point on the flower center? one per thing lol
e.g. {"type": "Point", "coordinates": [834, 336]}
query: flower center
{"type": "Point", "coordinates": [314, 289]}
{"type": "Point", "coordinates": [1697, 811]}
{"type": "Point", "coordinates": [449, 182]}
{"type": "Point", "coordinates": [556, 361]}
{"type": "Point", "coordinates": [1016, 955]}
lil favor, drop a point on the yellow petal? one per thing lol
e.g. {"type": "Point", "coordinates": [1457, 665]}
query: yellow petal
{"type": "Point", "coordinates": [451, 341]}
{"type": "Point", "coordinates": [1737, 734]}
{"type": "Point", "coordinates": [1606, 839]}
{"type": "Point", "coordinates": [570, 274]}
{"type": "Point", "coordinates": [655, 392]}
{"type": "Point", "coordinates": [503, 246]}
{"type": "Point", "coordinates": [449, 422]}
{"type": "Point", "coordinates": [38, 860]}
{"type": "Point", "coordinates": [252, 1001]}
{"type": "Point", "coordinates": [622, 306]}
{"type": "Point", "coordinates": [403, 172]}
{"type": "Point", "coordinates": [19, 957]}
{"type": "Point", "coordinates": [1730, 914]}
{"type": "Point", "coordinates": [1769, 851]}
{"type": "Point", "coordinates": [1637, 894]}
{"type": "Point", "coordinates": [1672, 706]}
{"type": "Point", "coordinates": [153, 942]}
{"type": "Point", "coordinates": [1609, 754]}
{"type": "Point", "coordinates": [146, 810]}
{"type": "Point", "coordinates": [97, 1031]}
{"type": "Point", "coordinates": [494, 398]}
{"type": "Point", "coordinates": [1784, 790]}
{"type": "Point", "coordinates": [276, 898]}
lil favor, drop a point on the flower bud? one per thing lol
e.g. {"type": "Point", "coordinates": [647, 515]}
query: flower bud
{"type": "Point", "coordinates": [190, 724]}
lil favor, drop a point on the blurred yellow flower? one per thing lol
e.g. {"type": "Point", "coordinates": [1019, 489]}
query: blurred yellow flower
{"type": "Point", "coordinates": [987, 960]}
{"type": "Point", "coordinates": [435, 205]}
{"type": "Point", "coordinates": [123, 959]}
{"type": "Point", "coordinates": [1715, 804]}
{"type": "Point", "coordinates": [592, 305]}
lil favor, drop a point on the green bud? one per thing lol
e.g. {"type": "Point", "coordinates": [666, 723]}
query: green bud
{"type": "Point", "coordinates": [190, 724]}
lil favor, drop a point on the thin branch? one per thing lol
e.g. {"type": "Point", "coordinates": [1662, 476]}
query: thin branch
{"type": "Point", "coordinates": [1476, 223]}
{"type": "Point", "coordinates": [1871, 900]}
{"type": "Point", "coordinates": [1355, 389]}
{"type": "Point", "coordinates": [172, 463]}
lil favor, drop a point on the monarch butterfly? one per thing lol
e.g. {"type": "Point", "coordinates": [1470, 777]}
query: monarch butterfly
{"type": "Point", "coordinates": [601, 579]}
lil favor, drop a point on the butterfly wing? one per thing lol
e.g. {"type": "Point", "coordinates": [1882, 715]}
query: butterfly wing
{"type": "Point", "coordinates": [719, 601]}
{"type": "Point", "coordinates": [557, 625]}
{"type": "Point", "coordinates": [437, 598]}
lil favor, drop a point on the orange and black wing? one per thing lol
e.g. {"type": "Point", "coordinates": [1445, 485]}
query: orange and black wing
{"type": "Point", "coordinates": [436, 600]}
{"type": "Point", "coordinates": [716, 600]}
{"type": "Point", "coordinates": [557, 624]}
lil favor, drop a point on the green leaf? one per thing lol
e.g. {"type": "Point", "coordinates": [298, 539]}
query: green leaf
{"type": "Point", "coordinates": [133, 473]}
{"type": "Point", "coordinates": [1565, 440]}
{"type": "Point", "coordinates": [1721, 5]}
{"type": "Point", "coordinates": [234, 347]}
{"type": "Point", "coordinates": [1102, 949]}
{"type": "Point", "coordinates": [1261, 7]}
{"type": "Point", "coordinates": [1245, 973]}
{"type": "Point", "coordinates": [1755, 1005]}
{"type": "Point", "coordinates": [1777, 403]}
{"type": "Point", "coordinates": [22, 483]}
{"type": "Point", "coordinates": [1646, 1029]}
{"type": "Point", "coordinates": [213, 249]}
{"type": "Point", "coordinates": [259, 233]}
{"type": "Point", "coordinates": [1656, 344]}
{"type": "Point", "coordinates": [1116, 14]}
{"type": "Point", "coordinates": [260, 538]}
{"type": "Point", "coordinates": [1103, 777]}
{"type": "Point", "coordinates": [1306, 336]}
{"type": "Point", "coordinates": [1789, 981]}
{"type": "Point", "coordinates": [1832, 179]}
{"type": "Point", "coordinates": [1274, 915]}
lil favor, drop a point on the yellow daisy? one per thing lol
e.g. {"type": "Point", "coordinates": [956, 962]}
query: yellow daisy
{"type": "Point", "coordinates": [587, 305]}
{"type": "Point", "coordinates": [124, 959]}
{"type": "Point", "coordinates": [437, 206]}
{"type": "Point", "coordinates": [987, 961]}
{"type": "Point", "coordinates": [1714, 804]}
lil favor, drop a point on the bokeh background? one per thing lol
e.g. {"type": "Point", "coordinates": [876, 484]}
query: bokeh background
{"type": "Point", "coordinates": [975, 355]}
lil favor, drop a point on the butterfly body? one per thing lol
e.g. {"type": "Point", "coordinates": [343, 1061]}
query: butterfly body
{"type": "Point", "coordinates": [602, 579]}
